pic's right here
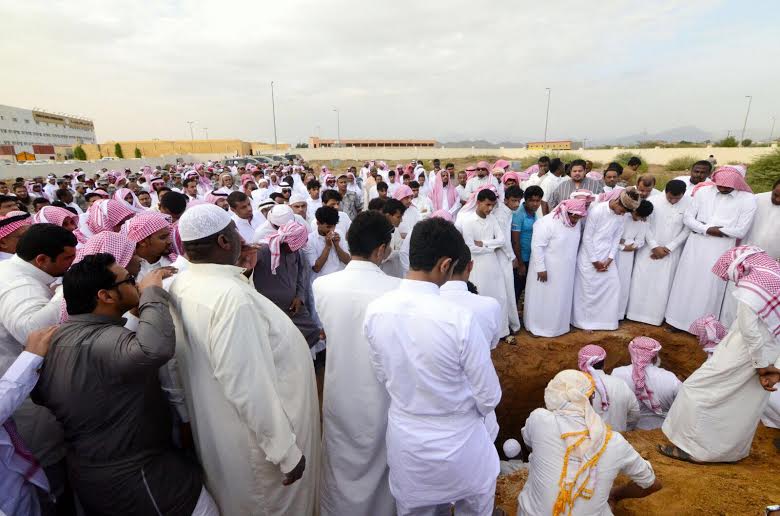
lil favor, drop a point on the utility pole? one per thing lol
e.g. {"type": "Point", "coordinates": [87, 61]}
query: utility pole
{"type": "Point", "coordinates": [273, 111]}
{"type": "Point", "coordinates": [584, 142]}
{"type": "Point", "coordinates": [206, 130]}
{"type": "Point", "coordinates": [338, 127]}
{"type": "Point", "coordinates": [547, 117]}
{"type": "Point", "coordinates": [772, 130]}
{"type": "Point", "coordinates": [192, 135]}
{"type": "Point", "coordinates": [744, 126]}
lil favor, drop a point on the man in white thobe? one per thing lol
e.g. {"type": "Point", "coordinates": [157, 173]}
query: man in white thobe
{"type": "Point", "coordinates": [765, 233]}
{"type": "Point", "coordinates": [253, 406]}
{"type": "Point", "coordinates": [655, 388]}
{"type": "Point", "coordinates": [482, 178]}
{"type": "Point", "coordinates": [656, 263]}
{"type": "Point", "coordinates": [506, 256]}
{"type": "Point", "coordinates": [717, 411]}
{"type": "Point", "coordinates": [549, 288]}
{"type": "Point", "coordinates": [718, 216]}
{"type": "Point", "coordinates": [613, 400]}
{"type": "Point", "coordinates": [487, 243]}
{"type": "Point", "coordinates": [574, 452]}
{"type": "Point", "coordinates": [434, 361]}
{"type": "Point", "coordinates": [596, 282]}
{"type": "Point", "coordinates": [355, 403]}
{"type": "Point", "coordinates": [700, 171]}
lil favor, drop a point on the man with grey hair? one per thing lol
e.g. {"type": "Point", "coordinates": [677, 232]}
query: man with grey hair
{"type": "Point", "coordinates": [249, 376]}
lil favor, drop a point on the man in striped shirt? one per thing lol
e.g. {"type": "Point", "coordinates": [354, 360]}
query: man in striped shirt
{"type": "Point", "coordinates": [575, 181]}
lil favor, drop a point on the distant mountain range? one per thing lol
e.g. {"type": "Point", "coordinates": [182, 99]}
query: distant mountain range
{"type": "Point", "coordinates": [686, 133]}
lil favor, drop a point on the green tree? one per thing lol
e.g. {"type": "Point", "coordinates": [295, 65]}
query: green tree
{"type": "Point", "coordinates": [301, 145]}
{"type": "Point", "coordinates": [137, 152]}
{"type": "Point", "coordinates": [747, 142]}
{"type": "Point", "coordinates": [729, 141]}
{"type": "Point", "coordinates": [79, 153]}
{"type": "Point", "coordinates": [118, 151]}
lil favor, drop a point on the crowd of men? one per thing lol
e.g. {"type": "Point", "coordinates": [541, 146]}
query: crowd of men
{"type": "Point", "coordinates": [159, 331]}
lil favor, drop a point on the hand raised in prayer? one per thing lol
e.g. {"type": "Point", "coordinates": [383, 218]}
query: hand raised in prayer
{"type": "Point", "coordinates": [294, 475]}
{"type": "Point", "coordinates": [155, 278]}
{"type": "Point", "coordinates": [336, 238]}
{"type": "Point", "coordinates": [295, 305]}
{"type": "Point", "coordinates": [248, 257]}
{"type": "Point", "coordinates": [542, 276]}
{"type": "Point", "coordinates": [715, 231]}
{"type": "Point", "coordinates": [478, 243]}
{"type": "Point", "coordinates": [38, 341]}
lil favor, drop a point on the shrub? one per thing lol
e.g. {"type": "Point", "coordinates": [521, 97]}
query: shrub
{"type": "Point", "coordinates": [681, 163]}
{"type": "Point", "coordinates": [118, 151]}
{"type": "Point", "coordinates": [79, 153]}
{"type": "Point", "coordinates": [729, 141]}
{"type": "Point", "coordinates": [764, 171]}
{"type": "Point", "coordinates": [623, 158]}
{"type": "Point", "coordinates": [137, 152]}
{"type": "Point", "coordinates": [747, 142]}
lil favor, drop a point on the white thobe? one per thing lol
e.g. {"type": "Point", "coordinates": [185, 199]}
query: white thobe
{"type": "Point", "coordinates": [542, 433]}
{"type": "Point", "coordinates": [718, 408]}
{"type": "Point", "coordinates": [696, 291]}
{"type": "Point", "coordinates": [445, 204]}
{"type": "Point", "coordinates": [29, 302]}
{"type": "Point", "coordinates": [651, 281]}
{"type": "Point", "coordinates": [253, 406]}
{"type": "Point", "coordinates": [423, 205]}
{"type": "Point", "coordinates": [246, 228]}
{"type": "Point", "coordinates": [549, 183]}
{"type": "Point", "coordinates": [765, 233]}
{"type": "Point", "coordinates": [634, 232]}
{"type": "Point", "coordinates": [664, 385]}
{"type": "Point", "coordinates": [313, 249]}
{"type": "Point", "coordinates": [354, 402]}
{"type": "Point", "coordinates": [411, 217]}
{"type": "Point", "coordinates": [688, 185]}
{"type": "Point", "coordinates": [623, 411]}
{"type": "Point", "coordinates": [597, 294]}
{"type": "Point", "coordinates": [461, 189]}
{"type": "Point", "coordinates": [505, 258]}
{"type": "Point", "coordinates": [487, 262]}
{"type": "Point", "coordinates": [434, 361]}
{"type": "Point", "coordinates": [771, 415]}
{"type": "Point", "coordinates": [548, 306]}
{"type": "Point", "coordinates": [488, 313]}
{"type": "Point", "coordinates": [147, 267]}
{"type": "Point", "coordinates": [391, 265]}
{"type": "Point", "coordinates": [312, 205]}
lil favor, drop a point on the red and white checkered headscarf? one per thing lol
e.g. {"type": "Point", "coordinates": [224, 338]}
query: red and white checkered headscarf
{"type": "Point", "coordinates": [757, 278]}
{"type": "Point", "coordinates": [643, 351]}
{"type": "Point", "coordinates": [471, 205]}
{"type": "Point", "coordinates": [575, 206]}
{"type": "Point", "coordinates": [439, 191]}
{"type": "Point", "coordinates": [589, 355]}
{"type": "Point", "coordinates": [14, 220]}
{"type": "Point", "coordinates": [144, 225]}
{"type": "Point", "coordinates": [402, 191]}
{"type": "Point", "coordinates": [730, 177]}
{"type": "Point", "coordinates": [709, 331]}
{"type": "Point", "coordinates": [294, 234]}
{"type": "Point", "coordinates": [54, 215]}
{"type": "Point", "coordinates": [105, 215]}
{"type": "Point", "coordinates": [135, 205]}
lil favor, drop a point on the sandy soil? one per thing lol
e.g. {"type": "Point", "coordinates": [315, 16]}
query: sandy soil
{"type": "Point", "coordinates": [728, 489]}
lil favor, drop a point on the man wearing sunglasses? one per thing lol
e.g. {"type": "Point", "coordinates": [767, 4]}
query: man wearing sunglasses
{"type": "Point", "coordinates": [482, 178]}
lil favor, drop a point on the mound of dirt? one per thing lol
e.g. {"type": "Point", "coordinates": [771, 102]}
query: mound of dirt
{"type": "Point", "coordinates": [524, 370]}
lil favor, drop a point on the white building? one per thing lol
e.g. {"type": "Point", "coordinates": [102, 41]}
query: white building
{"type": "Point", "coordinates": [32, 131]}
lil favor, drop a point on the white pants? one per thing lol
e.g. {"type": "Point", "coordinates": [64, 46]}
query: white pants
{"type": "Point", "coordinates": [206, 505]}
{"type": "Point", "coordinates": [475, 505]}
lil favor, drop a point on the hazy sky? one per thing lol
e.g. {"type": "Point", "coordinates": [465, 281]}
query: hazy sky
{"type": "Point", "coordinates": [442, 69]}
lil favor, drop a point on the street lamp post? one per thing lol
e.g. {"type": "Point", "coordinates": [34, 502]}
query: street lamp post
{"type": "Point", "coordinates": [206, 130]}
{"type": "Point", "coordinates": [744, 126]}
{"type": "Point", "coordinates": [273, 112]}
{"type": "Point", "coordinates": [547, 116]}
{"type": "Point", "coordinates": [772, 130]}
{"type": "Point", "coordinates": [192, 133]}
{"type": "Point", "coordinates": [338, 127]}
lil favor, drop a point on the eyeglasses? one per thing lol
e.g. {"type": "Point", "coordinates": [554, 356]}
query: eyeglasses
{"type": "Point", "coordinates": [129, 279]}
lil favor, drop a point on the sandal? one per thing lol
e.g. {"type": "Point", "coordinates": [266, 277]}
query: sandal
{"type": "Point", "coordinates": [673, 452]}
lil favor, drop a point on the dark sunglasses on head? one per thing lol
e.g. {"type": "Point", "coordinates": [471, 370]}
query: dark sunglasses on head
{"type": "Point", "coordinates": [129, 279]}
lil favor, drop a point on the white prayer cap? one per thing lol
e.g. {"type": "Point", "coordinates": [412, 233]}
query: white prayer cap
{"type": "Point", "coordinates": [297, 197]}
{"type": "Point", "coordinates": [285, 184]}
{"type": "Point", "coordinates": [266, 204]}
{"type": "Point", "coordinates": [511, 448]}
{"type": "Point", "coordinates": [279, 215]}
{"type": "Point", "coordinates": [201, 221]}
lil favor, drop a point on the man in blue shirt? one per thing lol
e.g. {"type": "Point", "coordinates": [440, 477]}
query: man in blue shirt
{"type": "Point", "coordinates": [522, 231]}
